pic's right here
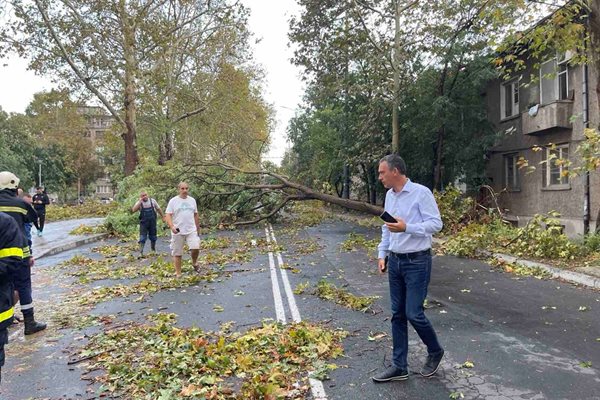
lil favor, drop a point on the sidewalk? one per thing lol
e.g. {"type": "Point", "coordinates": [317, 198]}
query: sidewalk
{"type": "Point", "coordinates": [587, 276]}
{"type": "Point", "coordinates": [56, 236]}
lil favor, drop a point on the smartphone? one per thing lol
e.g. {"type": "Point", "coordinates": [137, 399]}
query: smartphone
{"type": "Point", "coordinates": [387, 217]}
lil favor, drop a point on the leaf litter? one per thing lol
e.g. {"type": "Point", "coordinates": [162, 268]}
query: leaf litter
{"type": "Point", "coordinates": [268, 362]}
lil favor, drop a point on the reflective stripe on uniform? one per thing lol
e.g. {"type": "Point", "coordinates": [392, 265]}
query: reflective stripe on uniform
{"type": "Point", "coordinates": [26, 252]}
{"type": "Point", "coordinates": [26, 306]}
{"type": "Point", "coordinates": [13, 209]}
{"type": "Point", "coordinates": [11, 252]}
{"type": "Point", "coordinates": [7, 314]}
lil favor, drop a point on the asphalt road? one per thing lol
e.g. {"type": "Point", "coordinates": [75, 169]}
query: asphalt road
{"type": "Point", "coordinates": [525, 337]}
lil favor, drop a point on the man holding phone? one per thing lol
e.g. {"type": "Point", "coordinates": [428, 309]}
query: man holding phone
{"type": "Point", "coordinates": [412, 217]}
{"type": "Point", "coordinates": [182, 217]}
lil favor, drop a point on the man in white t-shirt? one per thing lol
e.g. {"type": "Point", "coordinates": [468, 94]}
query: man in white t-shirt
{"type": "Point", "coordinates": [182, 218]}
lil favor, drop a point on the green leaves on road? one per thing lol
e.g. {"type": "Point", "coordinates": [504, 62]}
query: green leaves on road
{"type": "Point", "coordinates": [329, 291]}
{"type": "Point", "coordinates": [356, 241]}
{"type": "Point", "coordinates": [265, 362]}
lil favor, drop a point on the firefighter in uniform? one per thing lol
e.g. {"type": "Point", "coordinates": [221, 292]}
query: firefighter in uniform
{"type": "Point", "coordinates": [21, 212]}
{"type": "Point", "coordinates": [11, 258]}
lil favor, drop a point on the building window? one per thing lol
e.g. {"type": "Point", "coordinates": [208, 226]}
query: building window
{"type": "Point", "coordinates": [511, 172]}
{"type": "Point", "coordinates": [556, 171]}
{"type": "Point", "coordinates": [554, 80]}
{"type": "Point", "coordinates": [563, 80]}
{"type": "Point", "coordinates": [509, 98]}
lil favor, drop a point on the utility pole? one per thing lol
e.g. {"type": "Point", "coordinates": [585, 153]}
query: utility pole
{"type": "Point", "coordinates": [40, 173]}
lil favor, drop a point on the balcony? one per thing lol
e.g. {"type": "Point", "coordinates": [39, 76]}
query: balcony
{"type": "Point", "coordinates": [548, 118]}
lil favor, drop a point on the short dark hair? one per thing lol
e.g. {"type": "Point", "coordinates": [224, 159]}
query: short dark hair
{"type": "Point", "coordinates": [25, 194]}
{"type": "Point", "coordinates": [395, 161]}
{"type": "Point", "coordinates": [39, 187]}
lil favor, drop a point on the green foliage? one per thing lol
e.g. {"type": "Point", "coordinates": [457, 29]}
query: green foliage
{"type": "Point", "coordinates": [592, 242]}
{"type": "Point", "coordinates": [356, 241]}
{"type": "Point", "coordinates": [309, 213]}
{"type": "Point", "coordinates": [87, 230]}
{"type": "Point", "coordinates": [88, 209]}
{"type": "Point", "coordinates": [455, 208]}
{"type": "Point", "coordinates": [328, 291]}
{"type": "Point", "coordinates": [541, 238]}
{"type": "Point", "coordinates": [468, 241]}
{"type": "Point", "coordinates": [264, 362]}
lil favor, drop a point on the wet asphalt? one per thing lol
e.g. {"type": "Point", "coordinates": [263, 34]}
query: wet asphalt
{"type": "Point", "coordinates": [525, 337]}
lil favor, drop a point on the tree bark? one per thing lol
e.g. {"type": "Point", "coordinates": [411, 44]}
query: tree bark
{"type": "Point", "coordinates": [373, 183]}
{"type": "Point", "coordinates": [129, 136]}
{"type": "Point", "coordinates": [439, 150]}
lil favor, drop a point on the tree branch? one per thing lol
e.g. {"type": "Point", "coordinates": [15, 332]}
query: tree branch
{"type": "Point", "coordinates": [74, 67]}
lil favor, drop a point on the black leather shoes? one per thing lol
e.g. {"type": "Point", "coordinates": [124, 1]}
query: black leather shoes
{"type": "Point", "coordinates": [391, 374]}
{"type": "Point", "coordinates": [432, 364]}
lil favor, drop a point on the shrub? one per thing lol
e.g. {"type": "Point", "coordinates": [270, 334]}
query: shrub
{"type": "Point", "coordinates": [592, 242]}
{"type": "Point", "coordinates": [542, 237]}
{"type": "Point", "coordinates": [455, 208]}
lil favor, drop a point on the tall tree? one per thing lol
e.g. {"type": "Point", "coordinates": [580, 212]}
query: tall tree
{"type": "Point", "coordinates": [108, 48]}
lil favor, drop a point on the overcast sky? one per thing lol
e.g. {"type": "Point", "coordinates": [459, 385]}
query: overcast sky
{"type": "Point", "coordinates": [268, 21]}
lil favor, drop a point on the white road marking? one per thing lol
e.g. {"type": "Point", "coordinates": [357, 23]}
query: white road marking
{"type": "Point", "coordinates": [316, 386]}
{"type": "Point", "coordinates": [279, 310]}
{"type": "Point", "coordinates": [286, 284]}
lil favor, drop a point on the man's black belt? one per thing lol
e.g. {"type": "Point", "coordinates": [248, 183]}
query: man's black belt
{"type": "Point", "coordinates": [414, 254]}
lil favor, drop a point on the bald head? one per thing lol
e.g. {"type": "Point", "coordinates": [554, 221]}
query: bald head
{"type": "Point", "coordinates": [183, 189]}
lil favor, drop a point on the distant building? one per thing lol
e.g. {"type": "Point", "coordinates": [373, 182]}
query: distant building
{"type": "Point", "coordinates": [534, 113]}
{"type": "Point", "coordinates": [98, 123]}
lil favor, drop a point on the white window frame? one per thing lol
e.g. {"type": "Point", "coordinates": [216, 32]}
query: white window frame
{"type": "Point", "coordinates": [514, 85]}
{"type": "Point", "coordinates": [550, 166]}
{"type": "Point", "coordinates": [565, 63]}
{"type": "Point", "coordinates": [557, 62]}
{"type": "Point", "coordinates": [512, 158]}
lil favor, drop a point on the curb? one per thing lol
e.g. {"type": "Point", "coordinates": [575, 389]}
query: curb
{"type": "Point", "coordinates": [71, 245]}
{"type": "Point", "coordinates": [570, 276]}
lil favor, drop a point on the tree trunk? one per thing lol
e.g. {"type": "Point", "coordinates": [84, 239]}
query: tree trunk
{"type": "Point", "coordinates": [373, 184]}
{"type": "Point", "coordinates": [346, 182]}
{"type": "Point", "coordinates": [439, 147]}
{"type": "Point", "coordinates": [166, 148]}
{"type": "Point", "coordinates": [129, 136]}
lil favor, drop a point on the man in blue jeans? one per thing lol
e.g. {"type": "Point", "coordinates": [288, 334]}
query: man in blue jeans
{"type": "Point", "coordinates": [407, 245]}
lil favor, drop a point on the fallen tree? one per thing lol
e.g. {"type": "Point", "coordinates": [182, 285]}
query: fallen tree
{"type": "Point", "coordinates": [261, 192]}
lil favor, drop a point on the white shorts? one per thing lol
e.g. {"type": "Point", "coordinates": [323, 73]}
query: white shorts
{"type": "Point", "coordinates": [177, 242]}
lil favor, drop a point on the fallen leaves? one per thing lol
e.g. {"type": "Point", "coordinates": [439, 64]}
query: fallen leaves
{"type": "Point", "coordinates": [376, 336]}
{"type": "Point", "coordinates": [329, 291]}
{"type": "Point", "coordinates": [301, 287]}
{"type": "Point", "coordinates": [356, 241]}
{"type": "Point", "coordinates": [265, 362]}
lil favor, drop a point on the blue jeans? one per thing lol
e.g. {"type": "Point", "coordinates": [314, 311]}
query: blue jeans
{"type": "Point", "coordinates": [409, 278]}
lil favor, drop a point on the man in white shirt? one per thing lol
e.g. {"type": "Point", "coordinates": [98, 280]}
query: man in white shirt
{"type": "Point", "coordinates": [406, 244]}
{"type": "Point", "coordinates": [182, 218]}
